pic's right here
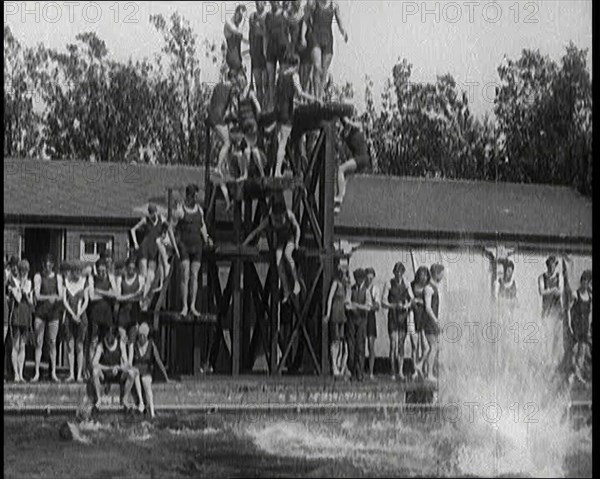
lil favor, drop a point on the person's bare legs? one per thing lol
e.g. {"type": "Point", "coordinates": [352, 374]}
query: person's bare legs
{"type": "Point", "coordinates": [317, 71]}
{"type": "Point", "coordinates": [80, 359]}
{"type": "Point", "coordinates": [138, 389]}
{"type": "Point", "coordinates": [147, 384]}
{"type": "Point", "coordinates": [282, 273]}
{"type": "Point", "coordinates": [282, 139]}
{"type": "Point", "coordinates": [326, 63]}
{"type": "Point", "coordinates": [400, 353]}
{"type": "Point", "coordinates": [344, 358]}
{"type": "Point", "coordinates": [305, 74]}
{"type": "Point", "coordinates": [194, 273]}
{"type": "Point", "coordinates": [334, 350]}
{"type": "Point", "coordinates": [144, 267]}
{"type": "Point", "coordinates": [185, 282]}
{"type": "Point", "coordinates": [39, 328]}
{"type": "Point", "coordinates": [371, 343]}
{"type": "Point", "coordinates": [424, 349]}
{"type": "Point", "coordinates": [71, 358]}
{"type": "Point", "coordinates": [270, 90]}
{"type": "Point", "coordinates": [431, 354]}
{"type": "Point", "coordinates": [345, 168]}
{"type": "Point", "coordinates": [130, 374]}
{"type": "Point", "coordinates": [256, 156]}
{"type": "Point", "coordinates": [393, 352]}
{"type": "Point", "coordinates": [52, 335]}
{"type": "Point", "coordinates": [289, 250]}
{"type": "Point", "coordinates": [260, 81]}
{"type": "Point", "coordinates": [14, 355]}
{"type": "Point", "coordinates": [223, 134]}
{"type": "Point", "coordinates": [96, 374]}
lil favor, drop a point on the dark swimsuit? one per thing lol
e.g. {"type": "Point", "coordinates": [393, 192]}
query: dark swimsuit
{"type": "Point", "coordinates": [397, 318]}
{"type": "Point", "coordinates": [277, 37]}
{"type": "Point", "coordinates": [284, 98]}
{"type": "Point", "coordinates": [256, 40]}
{"type": "Point", "coordinates": [44, 309]}
{"type": "Point", "coordinates": [234, 52]}
{"type": "Point", "coordinates": [322, 34]}
{"type": "Point", "coordinates": [580, 318]}
{"type": "Point", "coordinates": [357, 144]}
{"type": "Point", "coordinates": [144, 363]}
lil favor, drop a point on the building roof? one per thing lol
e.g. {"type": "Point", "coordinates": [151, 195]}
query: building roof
{"type": "Point", "coordinates": [375, 206]}
{"type": "Point", "coordinates": [70, 190]}
{"type": "Point", "coordinates": [423, 207]}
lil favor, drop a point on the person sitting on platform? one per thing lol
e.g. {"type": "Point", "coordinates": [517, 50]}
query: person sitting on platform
{"type": "Point", "coordinates": [110, 366]}
{"type": "Point", "coordinates": [288, 86]}
{"type": "Point", "coordinates": [287, 239]}
{"type": "Point", "coordinates": [143, 355]}
{"type": "Point", "coordinates": [360, 159]}
{"type": "Point", "coordinates": [335, 317]}
{"type": "Point", "coordinates": [192, 235]}
{"type": "Point", "coordinates": [356, 332]}
{"type": "Point", "coordinates": [234, 38]}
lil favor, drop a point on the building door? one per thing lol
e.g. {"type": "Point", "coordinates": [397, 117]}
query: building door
{"type": "Point", "coordinates": [38, 242]}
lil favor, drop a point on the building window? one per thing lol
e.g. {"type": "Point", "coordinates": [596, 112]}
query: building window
{"type": "Point", "coordinates": [92, 246]}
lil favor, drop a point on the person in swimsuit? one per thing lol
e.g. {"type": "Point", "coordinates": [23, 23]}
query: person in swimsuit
{"type": "Point", "coordinates": [110, 366]}
{"type": "Point", "coordinates": [505, 289]}
{"type": "Point", "coordinates": [103, 293]}
{"type": "Point", "coordinates": [149, 252]}
{"type": "Point", "coordinates": [422, 279]}
{"type": "Point", "coordinates": [375, 294]}
{"type": "Point", "coordinates": [219, 112]}
{"type": "Point", "coordinates": [143, 355]}
{"type": "Point", "coordinates": [75, 300]}
{"type": "Point", "coordinates": [249, 110]}
{"type": "Point", "coordinates": [234, 39]}
{"type": "Point", "coordinates": [397, 298]}
{"type": "Point", "coordinates": [431, 322]}
{"type": "Point", "coordinates": [277, 44]}
{"type": "Point", "coordinates": [335, 317]}
{"type": "Point", "coordinates": [579, 320]}
{"type": "Point", "coordinates": [322, 41]}
{"type": "Point", "coordinates": [191, 235]}
{"type": "Point", "coordinates": [287, 239]}
{"type": "Point", "coordinates": [48, 292]}
{"type": "Point", "coordinates": [166, 244]}
{"type": "Point", "coordinates": [21, 290]}
{"type": "Point", "coordinates": [355, 139]}
{"type": "Point", "coordinates": [356, 331]}
{"type": "Point", "coordinates": [288, 86]}
{"type": "Point", "coordinates": [258, 46]}
{"type": "Point", "coordinates": [130, 288]}
{"type": "Point", "coordinates": [551, 289]}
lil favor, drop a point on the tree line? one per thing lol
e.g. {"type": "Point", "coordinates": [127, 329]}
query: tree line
{"type": "Point", "coordinates": [80, 104]}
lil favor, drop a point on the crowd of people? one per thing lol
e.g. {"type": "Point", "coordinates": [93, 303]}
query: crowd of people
{"type": "Point", "coordinates": [95, 311]}
{"type": "Point", "coordinates": [291, 50]}
{"type": "Point", "coordinates": [413, 320]}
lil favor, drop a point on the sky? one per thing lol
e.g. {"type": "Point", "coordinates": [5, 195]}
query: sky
{"type": "Point", "coordinates": [467, 39]}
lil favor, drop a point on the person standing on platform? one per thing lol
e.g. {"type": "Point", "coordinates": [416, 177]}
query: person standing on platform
{"type": "Point", "coordinates": [580, 321]}
{"type": "Point", "coordinates": [149, 252]}
{"type": "Point", "coordinates": [551, 288]}
{"type": "Point", "coordinates": [192, 235]}
{"type": "Point", "coordinates": [356, 332]}
{"type": "Point", "coordinates": [431, 322]}
{"type": "Point", "coordinates": [21, 290]}
{"type": "Point", "coordinates": [258, 48]}
{"type": "Point", "coordinates": [306, 40]}
{"type": "Point", "coordinates": [47, 287]}
{"type": "Point", "coordinates": [167, 247]}
{"type": "Point", "coordinates": [277, 42]}
{"type": "Point", "coordinates": [234, 38]}
{"type": "Point", "coordinates": [397, 298]}
{"type": "Point", "coordinates": [418, 285]}
{"type": "Point", "coordinates": [322, 41]}
{"type": "Point", "coordinates": [335, 318]}
{"type": "Point", "coordinates": [375, 296]}
{"type": "Point", "coordinates": [283, 222]}
{"type": "Point", "coordinates": [288, 86]}
{"type": "Point", "coordinates": [76, 298]}
{"type": "Point", "coordinates": [360, 159]}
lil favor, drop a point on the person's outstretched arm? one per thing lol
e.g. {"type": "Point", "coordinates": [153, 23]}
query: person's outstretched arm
{"type": "Point", "coordinates": [258, 230]}
{"type": "Point", "coordinates": [301, 93]}
{"type": "Point", "coordinates": [428, 308]}
{"type": "Point", "coordinates": [233, 29]}
{"type": "Point", "coordinates": [332, 291]}
{"type": "Point", "coordinates": [338, 17]}
{"type": "Point", "coordinates": [133, 231]}
{"type": "Point", "coordinates": [159, 362]}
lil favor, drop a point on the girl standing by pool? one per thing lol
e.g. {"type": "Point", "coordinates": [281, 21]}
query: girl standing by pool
{"type": "Point", "coordinates": [21, 290]}
{"type": "Point", "coordinates": [75, 300]}
{"type": "Point", "coordinates": [422, 278]}
{"type": "Point", "coordinates": [336, 317]}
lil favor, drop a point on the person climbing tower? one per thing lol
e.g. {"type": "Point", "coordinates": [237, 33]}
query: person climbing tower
{"type": "Point", "coordinates": [283, 222]}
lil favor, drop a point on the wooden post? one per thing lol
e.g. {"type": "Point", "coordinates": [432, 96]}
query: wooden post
{"type": "Point", "coordinates": [327, 197]}
{"type": "Point", "coordinates": [237, 293]}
